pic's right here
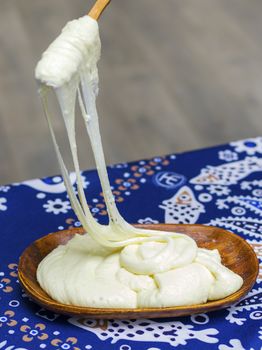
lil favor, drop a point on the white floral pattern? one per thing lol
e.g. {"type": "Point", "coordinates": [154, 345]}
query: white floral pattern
{"type": "Point", "coordinates": [227, 155]}
{"type": "Point", "coordinates": [3, 207]}
{"type": "Point", "coordinates": [248, 185]}
{"type": "Point", "coordinates": [219, 190]}
{"type": "Point", "coordinates": [85, 182]}
{"type": "Point", "coordinates": [253, 204]}
{"type": "Point", "coordinates": [251, 303]}
{"type": "Point", "coordinates": [249, 146]}
{"type": "Point", "coordinates": [148, 221]}
{"type": "Point", "coordinates": [236, 345]}
{"type": "Point", "coordinates": [4, 188]}
{"type": "Point", "coordinates": [57, 206]}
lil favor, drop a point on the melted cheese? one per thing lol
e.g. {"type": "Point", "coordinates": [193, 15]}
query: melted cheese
{"type": "Point", "coordinates": [114, 265]}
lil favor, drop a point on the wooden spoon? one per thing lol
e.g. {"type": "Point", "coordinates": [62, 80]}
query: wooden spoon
{"type": "Point", "coordinates": [98, 8]}
{"type": "Point", "coordinates": [236, 254]}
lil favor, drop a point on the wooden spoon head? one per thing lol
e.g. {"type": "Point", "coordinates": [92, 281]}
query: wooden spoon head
{"type": "Point", "coordinates": [235, 252]}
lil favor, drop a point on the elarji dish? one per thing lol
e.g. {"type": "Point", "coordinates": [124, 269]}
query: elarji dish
{"type": "Point", "coordinates": [119, 270]}
{"type": "Point", "coordinates": [236, 254]}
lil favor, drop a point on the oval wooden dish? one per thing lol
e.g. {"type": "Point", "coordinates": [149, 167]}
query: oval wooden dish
{"type": "Point", "coordinates": [236, 254]}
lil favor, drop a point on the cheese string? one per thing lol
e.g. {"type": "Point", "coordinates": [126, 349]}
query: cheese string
{"type": "Point", "coordinates": [90, 224]}
{"type": "Point", "coordinates": [89, 113]}
{"type": "Point", "coordinates": [84, 85]}
{"type": "Point", "coordinates": [118, 233]}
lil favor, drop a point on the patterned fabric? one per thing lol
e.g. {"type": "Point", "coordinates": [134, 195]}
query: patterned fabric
{"type": "Point", "coordinates": [219, 186]}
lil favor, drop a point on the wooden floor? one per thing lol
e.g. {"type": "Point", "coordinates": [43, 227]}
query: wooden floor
{"type": "Point", "coordinates": [174, 75]}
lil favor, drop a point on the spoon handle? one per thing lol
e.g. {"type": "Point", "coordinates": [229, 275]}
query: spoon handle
{"type": "Point", "coordinates": [98, 8]}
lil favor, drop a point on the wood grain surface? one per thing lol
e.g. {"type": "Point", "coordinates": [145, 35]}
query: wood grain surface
{"type": "Point", "coordinates": [235, 252]}
{"type": "Point", "coordinates": [175, 75]}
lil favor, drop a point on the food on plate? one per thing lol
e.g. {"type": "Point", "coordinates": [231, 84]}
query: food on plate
{"type": "Point", "coordinates": [114, 265]}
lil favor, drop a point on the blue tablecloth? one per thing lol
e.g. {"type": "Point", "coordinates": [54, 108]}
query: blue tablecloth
{"type": "Point", "coordinates": [219, 186]}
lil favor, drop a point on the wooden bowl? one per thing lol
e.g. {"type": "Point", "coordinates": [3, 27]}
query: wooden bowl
{"type": "Point", "coordinates": [236, 254]}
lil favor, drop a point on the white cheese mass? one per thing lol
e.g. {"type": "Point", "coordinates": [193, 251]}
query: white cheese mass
{"type": "Point", "coordinates": [114, 265]}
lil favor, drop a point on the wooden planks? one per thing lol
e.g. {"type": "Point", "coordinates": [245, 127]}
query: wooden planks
{"type": "Point", "coordinates": [175, 75]}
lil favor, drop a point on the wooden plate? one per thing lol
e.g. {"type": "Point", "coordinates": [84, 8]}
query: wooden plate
{"type": "Point", "coordinates": [236, 254]}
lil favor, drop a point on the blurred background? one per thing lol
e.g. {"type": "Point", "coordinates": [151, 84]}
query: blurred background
{"type": "Point", "coordinates": [175, 75]}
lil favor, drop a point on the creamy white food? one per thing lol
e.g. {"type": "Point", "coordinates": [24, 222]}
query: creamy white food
{"type": "Point", "coordinates": [114, 265]}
